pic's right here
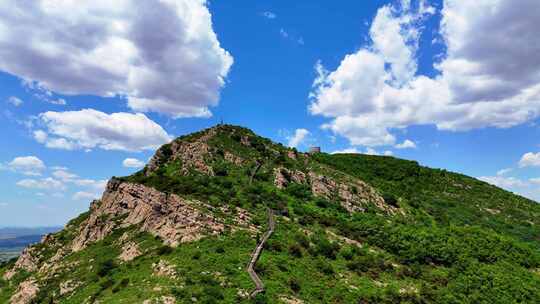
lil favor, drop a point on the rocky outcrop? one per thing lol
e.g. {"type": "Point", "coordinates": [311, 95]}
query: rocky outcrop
{"type": "Point", "coordinates": [245, 141]}
{"type": "Point", "coordinates": [25, 293]}
{"type": "Point", "coordinates": [68, 287]}
{"type": "Point", "coordinates": [284, 176]}
{"type": "Point", "coordinates": [129, 252]}
{"type": "Point", "coordinates": [164, 269]}
{"type": "Point", "coordinates": [241, 218]}
{"type": "Point", "coordinates": [237, 160]}
{"type": "Point", "coordinates": [280, 180]}
{"type": "Point", "coordinates": [162, 300]}
{"type": "Point", "coordinates": [174, 219]}
{"type": "Point", "coordinates": [290, 300]}
{"type": "Point", "coordinates": [190, 154]}
{"type": "Point", "coordinates": [353, 194]}
{"type": "Point", "coordinates": [27, 261]}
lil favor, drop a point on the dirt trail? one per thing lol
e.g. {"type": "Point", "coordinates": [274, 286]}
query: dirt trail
{"type": "Point", "coordinates": [259, 286]}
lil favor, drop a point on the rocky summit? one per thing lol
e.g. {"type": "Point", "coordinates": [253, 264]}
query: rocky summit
{"type": "Point", "coordinates": [226, 216]}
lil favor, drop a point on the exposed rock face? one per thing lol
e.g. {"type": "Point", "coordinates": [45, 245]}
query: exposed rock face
{"type": "Point", "coordinates": [25, 293]}
{"type": "Point", "coordinates": [190, 154]}
{"type": "Point", "coordinates": [353, 194]}
{"type": "Point", "coordinates": [164, 269]}
{"type": "Point", "coordinates": [68, 287]}
{"type": "Point", "coordinates": [283, 176]}
{"type": "Point", "coordinates": [26, 261]}
{"type": "Point", "coordinates": [290, 300]}
{"type": "Point", "coordinates": [162, 300]}
{"type": "Point", "coordinates": [280, 181]}
{"type": "Point", "coordinates": [241, 218]}
{"type": "Point", "coordinates": [53, 264]}
{"type": "Point", "coordinates": [233, 158]}
{"type": "Point", "coordinates": [129, 252]}
{"type": "Point", "coordinates": [245, 141]}
{"type": "Point", "coordinates": [168, 216]}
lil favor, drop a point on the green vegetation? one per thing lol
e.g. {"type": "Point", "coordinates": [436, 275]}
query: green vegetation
{"type": "Point", "coordinates": [457, 239]}
{"type": "Point", "coordinates": [443, 197]}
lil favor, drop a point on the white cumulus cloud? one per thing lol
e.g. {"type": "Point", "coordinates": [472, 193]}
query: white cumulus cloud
{"type": "Point", "coordinates": [27, 165]}
{"type": "Point", "coordinates": [162, 56]}
{"type": "Point", "coordinates": [62, 180]}
{"type": "Point", "coordinates": [351, 150]}
{"type": "Point", "coordinates": [489, 76]}
{"type": "Point", "coordinates": [406, 144]}
{"type": "Point", "coordinates": [299, 136]}
{"type": "Point", "coordinates": [530, 160]}
{"type": "Point", "coordinates": [89, 129]}
{"type": "Point", "coordinates": [269, 15]}
{"type": "Point", "coordinates": [98, 185]}
{"type": "Point", "coordinates": [132, 163]}
{"type": "Point", "coordinates": [535, 180]}
{"type": "Point", "coordinates": [504, 171]}
{"type": "Point", "coordinates": [504, 181]}
{"type": "Point", "coordinates": [48, 183]}
{"type": "Point", "coordinates": [15, 101]}
{"type": "Point", "coordinates": [83, 195]}
{"type": "Point", "coordinates": [64, 175]}
{"type": "Point", "coordinates": [368, 151]}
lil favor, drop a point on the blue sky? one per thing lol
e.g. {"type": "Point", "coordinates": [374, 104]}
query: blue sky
{"type": "Point", "coordinates": [86, 98]}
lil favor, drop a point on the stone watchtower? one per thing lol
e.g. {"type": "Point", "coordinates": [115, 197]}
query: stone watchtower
{"type": "Point", "coordinates": [313, 150]}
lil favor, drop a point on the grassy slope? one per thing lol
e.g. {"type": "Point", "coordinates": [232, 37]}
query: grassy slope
{"type": "Point", "coordinates": [446, 197]}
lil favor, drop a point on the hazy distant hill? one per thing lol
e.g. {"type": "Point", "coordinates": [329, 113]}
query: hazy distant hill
{"type": "Point", "coordinates": [13, 240]}
{"type": "Point", "coordinates": [13, 232]}
{"type": "Point", "coordinates": [348, 228]}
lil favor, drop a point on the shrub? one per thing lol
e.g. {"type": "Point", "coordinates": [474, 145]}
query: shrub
{"type": "Point", "coordinates": [123, 284]}
{"type": "Point", "coordinates": [302, 239]}
{"type": "Point", "coordinates": [390, 199]}
{"type": "Point", "coordinates": [327, 248]}
{"type": "Point", "coordinates": [295, 250]}
{"type": "Point", "coordinates": [294, 285]}
{"type": "Point", "coordinates": [348, 253]}
{"type": "Point", "coordinates": [209, 281]}
{"type": "Point", "coordinates": [106, 284]}
{"type": "Point", "coordinates": [261, 298]}
{"type": "Point", "coordinates": [213, 292]}
{"type": "Point", "coordinates": [164, 250]}
{"type": "Point", "coordinates": [220, 249]}
{"type": "Point", "coordinates": [325, 267]}
{"type": "Point", "coordinates": [299, 191]}
{"type": "Point", "coordinates": [105, 268]}
{"type": "Point", "coordinates": [220, 170]}
{"type": "Point", "coordinates": [179, 293]}
{"type": "Point", "coordinates": [273, 245]}
{"type": "Point", "coordinates": [322, 203]}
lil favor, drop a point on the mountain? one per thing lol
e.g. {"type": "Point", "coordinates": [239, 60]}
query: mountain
{"type": "Point", "coordinates": [15, 232]}
{"type": "Point", "coordinates": [13, 240]}
{"type": "Point", "coordinates": [225, 216]}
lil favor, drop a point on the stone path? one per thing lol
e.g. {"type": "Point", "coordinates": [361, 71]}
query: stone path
{"type": "Point", "coordinates": [259, 286]}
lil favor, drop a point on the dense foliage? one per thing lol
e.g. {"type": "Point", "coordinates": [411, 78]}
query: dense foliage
{"type": "Point", "coordinates": [445, 197]}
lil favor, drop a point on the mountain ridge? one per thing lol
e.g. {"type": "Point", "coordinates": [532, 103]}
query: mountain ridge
{"type": "Point", "coordinates": [374, 229]}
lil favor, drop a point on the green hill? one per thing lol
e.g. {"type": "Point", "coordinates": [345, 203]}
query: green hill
{"type": "Point", "coordinates": [349, 229]}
